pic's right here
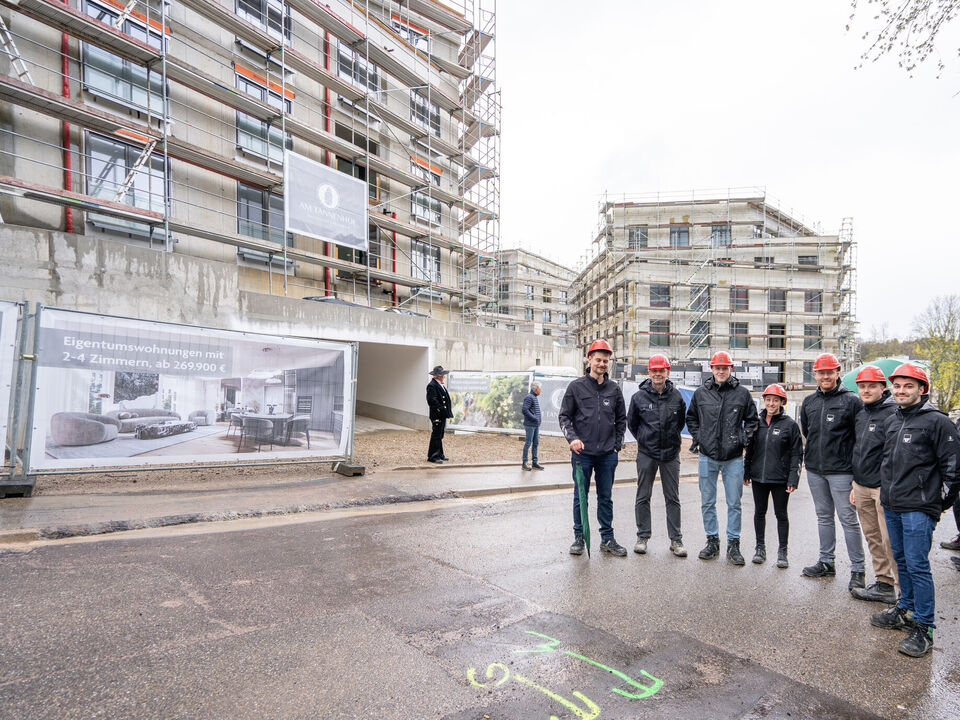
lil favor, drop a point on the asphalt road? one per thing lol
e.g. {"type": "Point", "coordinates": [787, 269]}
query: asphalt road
{"type": "Point", "coordinates": [459, 609]}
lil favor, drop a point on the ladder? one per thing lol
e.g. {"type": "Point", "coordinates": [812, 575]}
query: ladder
{"type": "Point", "coordinates": [141, 161]}
{"type": "Point", "coordinates": [10, 48]}
{"type": "Point", "coordinates": [124, 14]}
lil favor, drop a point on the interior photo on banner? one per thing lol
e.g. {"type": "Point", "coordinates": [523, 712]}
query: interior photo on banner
{"type": "Point", "coordinates": [630, 387]}
{"type": "Point", "coordinates": [488, 399]}
{"type": "Point", "coordinates": [119, 392]}
{"type": "Point", "coordinates": [8, 337]}
{"type": "Point", "coordinates": [552, 390]}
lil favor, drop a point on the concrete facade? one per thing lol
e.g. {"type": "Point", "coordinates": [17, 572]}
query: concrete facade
{"type": "Point", "coordinates": [534, 294]}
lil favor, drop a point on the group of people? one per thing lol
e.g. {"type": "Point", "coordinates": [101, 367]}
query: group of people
{"type": "Point", "coordinates": [883, 462]}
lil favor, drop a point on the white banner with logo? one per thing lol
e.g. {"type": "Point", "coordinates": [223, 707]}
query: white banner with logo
{"type": "Point", "coordinates": [324, 203]}
{"type": "Point", "coordinates": [119, 392]}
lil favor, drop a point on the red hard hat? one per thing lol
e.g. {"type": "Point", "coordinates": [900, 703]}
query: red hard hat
{"type": "Point", "coordinates": [599, 345]}
{"type": "Point", "coordinates": [826, 361]}
{"type": "Point", "coordinates": [871, 373]}
{"type": "Point", "coordinates": [777, 390]}
{"type": "Point", "coordinates": [909, 370]}
{"type": "Point", "coordinates": [721, 358]}
{"type": "Point", "coordinates": [658, 362]}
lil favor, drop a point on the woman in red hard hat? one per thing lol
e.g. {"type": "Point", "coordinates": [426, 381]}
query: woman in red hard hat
{"type": "Point", "coordinates": [772, 464]}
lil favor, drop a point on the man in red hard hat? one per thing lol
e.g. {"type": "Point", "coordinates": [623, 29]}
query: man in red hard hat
{"type": "Point", "coordinates": [656, 418]}
{"type": "Point", "coordinates": [593, 418]}
{"type": "Point", "coordinates": [828, 422]}
{"type": "Point", "coordinates": [722, 420]}
{"type": "Point", "coordinates": [921, 460]}
{"type": "Point", "coordinates": [871, 424]}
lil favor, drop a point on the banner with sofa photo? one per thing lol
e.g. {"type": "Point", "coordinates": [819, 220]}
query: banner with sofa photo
{"type": "Point", "coordinates": [9, 313]}
{"type": "Point", "coordinates": [118, 392]}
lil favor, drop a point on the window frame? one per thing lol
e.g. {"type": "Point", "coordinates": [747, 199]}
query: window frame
{"type": "Point", "coordinates": [659, 333]}
{"type": "Point", "coordinates": [270, 133]}
{"type": "Point", "coordinates": [739, 335]}
{"type": "Point", "coordinates": [679, 236]}
{"type": "Point", "coordinates": [812, 340]}
{"type": "Point", "coordinates": [427, 116]}
{"type": "Point", "coordinates": [778, 340]}
{"type": "Point", "coordinates": [739, 298]}
{"type": "Point", "coordinates": [813, 301]}
{"type": "Point", "coordinates": [656, 299]}
{"type": "Point", "coordinates": [424, 251]}
{"type": "Point", "coordinates": [770, 300]}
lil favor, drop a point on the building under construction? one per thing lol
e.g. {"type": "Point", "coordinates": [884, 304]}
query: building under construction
{"type": "Point", "coordinates": [164, 125]}
{"type": "Point", "coordinates": [687, 274]}
{"type": "Point", "coordinates": [533, 294]}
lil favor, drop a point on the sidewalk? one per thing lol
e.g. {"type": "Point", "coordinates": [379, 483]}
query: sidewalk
{"type": "Point", "coordinates": [58, 516]}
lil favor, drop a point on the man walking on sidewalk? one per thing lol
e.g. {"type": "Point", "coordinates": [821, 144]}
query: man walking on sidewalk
{"type": "Point", "coordinates": [921, 459]}
{"type": "Point", "coordinates": [656, 419]}
{"type": "Point", "coordinates": [593, 419]}
{"type": "Point", "coordinates": [827, 420]}
{"type": "Point", "coordinates": [722, 420]}
{"type": "Point", "coordinates": [871, 424]}
{"type": "Point", "coordinates": [531, 425]}
{"type": "Point", "coordinates": [438, 400]}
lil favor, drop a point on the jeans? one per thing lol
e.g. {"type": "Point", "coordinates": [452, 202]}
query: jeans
{"type": "Point", "coordinates": [832, 493]}
{"type": "Point", "coordinates": [603, 467]}
{"type": "Point", "coordinates": [911, 534]}
{"type": "Point", "coordinates": [533, 438]}
{"type": "Point", "coordinates": [732, 473]}
{"type": "Point", "coordinates": [670, 484]}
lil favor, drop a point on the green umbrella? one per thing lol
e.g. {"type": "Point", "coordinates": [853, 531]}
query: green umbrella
{"type": "Point", "coordinates": [888, 365]}
{"type": "Point", "coordinates": [582, 489]}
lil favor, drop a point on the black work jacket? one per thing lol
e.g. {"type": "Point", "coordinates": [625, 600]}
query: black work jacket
{"type": "Point", "coordinates": [776, 452]}
{"type": "Point", "coordinates": [722, 419]}
{"type": "Point", "coordinates": [438, 399]}
{"type": "Point", "coordinates": [656, 420]}
{"type": "Point", "coordinates": [595, 414]}
{"type": "Point", "coordinates": [921, 461]}
{"type": "Point", "coordinates": [827, 420]}
{"type": "Point", "coordinates": [871, 424]}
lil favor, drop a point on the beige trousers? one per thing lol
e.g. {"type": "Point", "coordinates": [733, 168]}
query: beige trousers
{"type": "Point", "coordinates": [875, 531]}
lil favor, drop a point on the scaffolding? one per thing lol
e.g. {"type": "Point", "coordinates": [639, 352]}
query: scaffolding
{"type": "Point", "coordinates": [372, 89]}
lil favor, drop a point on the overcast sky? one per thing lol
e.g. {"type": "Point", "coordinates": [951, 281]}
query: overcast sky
{"type": "Point", "coordinates": [645, 96]}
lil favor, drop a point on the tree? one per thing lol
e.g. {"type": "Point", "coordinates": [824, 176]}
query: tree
{"type": "Point", "coordinates": [907, 27]}
{"type": "Point", "coordinates": [938, 328]}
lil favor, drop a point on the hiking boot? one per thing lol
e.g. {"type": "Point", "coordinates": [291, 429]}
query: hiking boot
{"type": "Point", "coordinates": [538, 466]}
{"type": "Point", "coordinates": [760, 556]}
{"type": "Point", "coordinates": [641, 547]}
{"type": "Point", "coordinates": [952, 544]}
{"type": "Point", "coordinates": [919, 642]}
{"type": "Point", "coordinates": [613, 547]}
{"type": "Point", "coordinates": [712, 549]}
{"type": "Point", "coordinates": [856, 581]}
{"type": "Point", "coordinates": [733, 553]}
{"type": "Point", "coordinates": [895, 618]}
{"type": "Point", "coordinates": [821, 569]}
{"type": "Point", "coordinates": [578, 545]}
{"type": "Point", "coordinates": [677, 548]}
{"type": "Point", "coordinates": [525, 466]}
{"type": "Point", "coordinates": [878, 592]}
{"type": "Point", "coordinates": [782, 561]}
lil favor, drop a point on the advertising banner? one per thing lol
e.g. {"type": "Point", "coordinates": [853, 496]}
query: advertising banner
{"type": "Point", "coordinates": [120, 392]}
{"type": "Point", "coordinates": [324, 203]}
{"type": "Point", "coordinates": [552, 388]}
{"type": "Point", "coordinates": [8, 337]}
{"type": "Point", "coordinates": [488, 399]}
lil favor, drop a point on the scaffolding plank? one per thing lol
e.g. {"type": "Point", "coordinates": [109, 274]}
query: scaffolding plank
{"type": "Point", "coordinates": [474, 89]}
{"type": "Point", "coordinates": [440, 13]}
{"type": "Point", "coordinates": [59, 196]}
{"type": "Point", "coordinates": [385, 222]}
{"type": "Point", "coordinates": [473, 47]}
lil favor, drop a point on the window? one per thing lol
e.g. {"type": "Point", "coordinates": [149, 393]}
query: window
{"type": "Point", "coordinates": [547, 331]}
{"type": "Point", "coordinates": [423, 207]}
{"type": "Point", "coordinates": [764, 261]}
{"type": "Point", "coordinates": [738, 335]}
{"type": "Point", "coordinates": [636, 237]}
{"type": "Point", "coordinates": [562, 318]}
{"type": "Point", "coordinates": [700, 334]}
{"type": "Point", "coordinates": [360, 173]}
{"type": "Point", "coordinates": [528, 292]}
{"type": "Point", "coordinates": [546, 316]}
{"type": "Point", "coordinates": [660, 296]}
{"type": "Point", "coordinates": [345, 132]}
{"type": "Point", "coordinates": [659, 333]}
{"type": "Point", "coordinates": [423, 169]}
{"type": "Point", "coordinates": [563, 297]}
{"type": "Point", "coordinates": [504, 309]}
{"type": "Point", "coordinates": [257, 136]}
{"type": "Point", "coordinates": [739, 298]}
{"type": "Point", "coordinates": [361, 72]}
{"type": "Point", "coordinates": [777, 300]}
{"type": "Point", "coordinates": [268, 14]}
{"type": "Point", "coordinates": [811, 261]}
{"type": "Point", "coordinates": [416, 36]}
{"type": "Point", "coordinates": [108, 164]}
{"type": "Point", "coordinates": [700, 297]}
{"type": "Point", "coordinates": [813, 301]}
{"type": "Point", "coordinates": [547, 295]}
{"type": "Point", "coordinates": [680, 236]}
{"type": "Point", "coordinates": [260, 213]}
{"type": "Point", "coordinates": [359, 256]}
{"type": "Point", "coordinates": [779, 371]}
{"type": "Point", "coordinates": [720, 235]}
{"type": "Point", "coordinates": [812, 337]}
{"type": "Point", "coordinates": [424, 113]}
{"type": "Point", "coordinates": [777, 336]}
{"type": "Point", "coordinates": [424, 261]}
{"type": "Point", "coordinates": [528, 314]}
{"type": "Point", "coordinates": [808, 377]}
{"type": "Point", "coordinates": [117, 79]}
{"type": "Point", "coordinates": [504, 289]}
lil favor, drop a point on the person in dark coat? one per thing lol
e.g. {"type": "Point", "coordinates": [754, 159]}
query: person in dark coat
{"type": "Point", "coordinates": [771, 466]}
{"type": "Point", "coordinates": [438, 400]}
{"type": "Point", "coordinates": [531, 426]}
{"type": "Point", "coordinates": [655, 419]}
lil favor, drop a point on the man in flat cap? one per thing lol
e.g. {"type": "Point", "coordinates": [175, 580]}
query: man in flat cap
{"type": "Point", "coordinates": [438, 399]}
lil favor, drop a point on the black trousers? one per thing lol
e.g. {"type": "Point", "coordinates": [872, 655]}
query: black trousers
{"type": "Point", "coordinates": [761, 495]}
{"type": "Point", "coordinates": [435, 452]}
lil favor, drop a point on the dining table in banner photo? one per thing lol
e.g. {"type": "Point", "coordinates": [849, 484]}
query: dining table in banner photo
{"type": "Point", "coordinates": [279, 421]}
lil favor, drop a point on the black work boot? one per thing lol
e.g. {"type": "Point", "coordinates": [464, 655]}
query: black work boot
{"type": "Point", "coordinates": [525, 466]}
{"type": "Point", "coordinates": [733, 553]}
{"type": "Point", "coordinates": [919, 642]}
{"type": "Point", "coordinates": [821, 569]}
{"type": "Point", "coordinates": [760, 556]}
{"type": "Point", "coordinates": [712, 549]}
{"type": "Point", "coordinates": [895, 618]}
{"type": "Point", "coordinates": [782, 561]}
{"type": "Point", "coordinates": [537, 466]}
{"type": "Point", "coordinates": [856, 581]}
{"type": "Point", "coordinates": [613, 547]}
{"type": "Point", "coordinates": [878, 592]}
{"type": "Point", "coordinates": [953, 544]}
{"type": "Point", "coordinates": [578, 545]}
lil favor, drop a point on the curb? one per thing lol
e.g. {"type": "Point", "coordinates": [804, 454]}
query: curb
{"type": "Point", "coordinates": [499, 463]}
{"type": "Point", "coordinates": [19, 536]}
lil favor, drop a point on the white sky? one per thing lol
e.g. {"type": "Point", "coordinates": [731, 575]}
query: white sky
{"type": "Point", "coordinates": [647, 95]}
